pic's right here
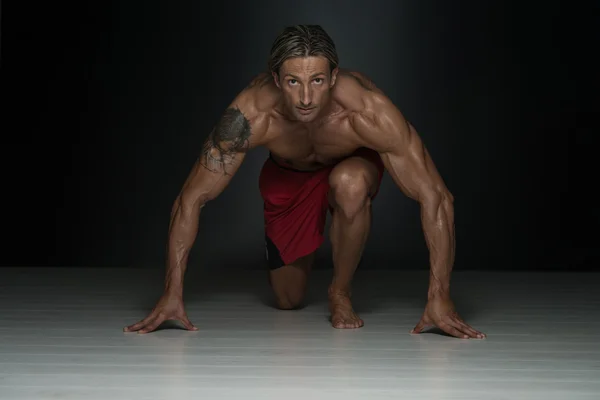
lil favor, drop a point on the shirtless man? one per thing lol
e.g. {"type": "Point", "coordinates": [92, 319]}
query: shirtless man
{"type": "Point", "coordinates": [330, 133]}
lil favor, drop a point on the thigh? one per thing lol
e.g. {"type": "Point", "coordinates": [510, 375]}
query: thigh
{"type": "Point", "coordinates": [289, 282]}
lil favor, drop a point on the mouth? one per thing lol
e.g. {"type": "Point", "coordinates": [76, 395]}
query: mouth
{"type": "Point", "coordinates": [305, 111]}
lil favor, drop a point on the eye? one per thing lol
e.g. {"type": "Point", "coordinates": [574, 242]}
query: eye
{"type": "Point", "coordinates": [319, 80]}
{"type": "Point", "coordinates": [292, 81]}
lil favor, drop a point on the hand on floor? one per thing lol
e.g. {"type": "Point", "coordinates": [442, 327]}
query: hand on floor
{"type": "Point", "coordinates": [168, 308]}
{"type": "Point", "coordinates": [440, 312]}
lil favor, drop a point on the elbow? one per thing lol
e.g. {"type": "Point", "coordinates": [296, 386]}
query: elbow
{"type": "Point", "coordinates": [188, 200]}
{"type": "Point", "coordinates": [438, 200]}
{"type": "Point", "coordinates": [447, 197]}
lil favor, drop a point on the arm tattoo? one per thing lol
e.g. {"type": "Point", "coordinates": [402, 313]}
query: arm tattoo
{"type": "Point", "coordinates": [229, 137]}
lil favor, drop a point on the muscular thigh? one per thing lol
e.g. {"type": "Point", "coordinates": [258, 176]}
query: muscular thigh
{"type": "Point", "coordinates": [289, 282]}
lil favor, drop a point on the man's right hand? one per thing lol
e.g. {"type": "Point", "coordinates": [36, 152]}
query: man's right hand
{"type": "Point", "coordinates": [169, 307]}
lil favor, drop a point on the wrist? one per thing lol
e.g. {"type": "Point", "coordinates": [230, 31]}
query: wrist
{"type": "Point", "coordinates": [173, 282]}
{"type": "Point", "coordinates": [173, 291]}
{"type": "Point", "coordinates": [438, 291]}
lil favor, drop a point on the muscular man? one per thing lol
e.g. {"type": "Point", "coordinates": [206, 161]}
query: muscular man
{"type": "Point", "coordinates": [330, 134]}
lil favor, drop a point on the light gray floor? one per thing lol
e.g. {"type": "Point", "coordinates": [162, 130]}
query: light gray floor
{"type": "Point", "coordinates": [61, 338]}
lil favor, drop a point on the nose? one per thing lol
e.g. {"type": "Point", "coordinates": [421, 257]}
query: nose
{"type": "Point", "coordinates": [306, 97]}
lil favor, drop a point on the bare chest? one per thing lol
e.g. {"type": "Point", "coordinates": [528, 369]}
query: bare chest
{"type": "Point", "coordinates": [308, 148]}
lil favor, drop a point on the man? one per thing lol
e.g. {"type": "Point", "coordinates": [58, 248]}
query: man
{"type": "Point", "coordinates": [330, 133]}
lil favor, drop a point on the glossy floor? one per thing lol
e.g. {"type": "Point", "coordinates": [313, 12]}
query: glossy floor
{"type": "Point", "coordinates": [61, 338]}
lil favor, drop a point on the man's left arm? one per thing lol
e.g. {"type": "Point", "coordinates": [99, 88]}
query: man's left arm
{"type": "Point", "coordinates": [385, 130]}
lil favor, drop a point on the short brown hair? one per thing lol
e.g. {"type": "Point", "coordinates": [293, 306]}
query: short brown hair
{"type": "Point", "coordinates": [302, 41]}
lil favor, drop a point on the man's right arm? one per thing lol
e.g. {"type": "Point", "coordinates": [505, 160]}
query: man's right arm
{"type": "Point", "coordinates": [221, 156]}
{"type": "Point", "coordinates": [239, 129]}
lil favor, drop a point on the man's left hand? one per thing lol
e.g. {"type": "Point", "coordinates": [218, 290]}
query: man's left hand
{"type": "Point", "coordinates": [440, 312]}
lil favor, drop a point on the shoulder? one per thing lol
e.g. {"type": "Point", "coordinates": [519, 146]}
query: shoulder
{"type": "Point", "coordinates": [357, 93]}
{"type": "Point", "coordinates": [356, 80]}
{"type": "Point", "coordinates": [253, 105]}
{"type": "Point", "coordinates": [372, 114]}
{"type": "Point", "coordinates": [261, 93]}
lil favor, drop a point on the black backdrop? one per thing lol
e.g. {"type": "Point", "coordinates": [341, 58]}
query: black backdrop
{"type": "Point", "coordinates": [107, 106]}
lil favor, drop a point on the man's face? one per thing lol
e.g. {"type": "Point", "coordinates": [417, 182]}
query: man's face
{"type": "Point", "coordinates": [305, 83]}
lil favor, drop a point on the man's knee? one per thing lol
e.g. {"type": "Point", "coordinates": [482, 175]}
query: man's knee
{"type": "Point", "coordinates": [289, 283]}
{"type": "Point", "coordinates": [289, 295]}
{"type": "Point", "coordinates": [350, 190]}
{"type": "Point", "coordinates": [289, 300]}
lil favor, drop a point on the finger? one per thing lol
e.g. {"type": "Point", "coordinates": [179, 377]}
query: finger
{"type": "Point", "coordinates": [187, 324]}
{"type": "Point", "coordinates": [461, 326]}
{"type": "Point", "coordinates": [153, 324]}
{"type": "Point", "coordinates": [472, 330]}
{"type": "Point", "coordinates": [139, 324]}
{"type": "Point", "coordinates": [451, 330]}
{"type": "Point", "coordinates": [466, 329]}
{"type": "Point", "coordinates": [419, 327]}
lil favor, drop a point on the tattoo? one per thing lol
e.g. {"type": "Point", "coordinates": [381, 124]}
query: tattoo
{"type": "Point", "coordinates": [228, 138]}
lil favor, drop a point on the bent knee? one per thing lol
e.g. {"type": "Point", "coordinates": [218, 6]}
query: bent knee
{"type": "Point", "coordinates": [289, 301]}
{"type": "Point", "coordinates": [289, 296]}
{"type": "Point", "coordinates": [350, 191]}
{"type": "Point", "coordinates": [289, 283]}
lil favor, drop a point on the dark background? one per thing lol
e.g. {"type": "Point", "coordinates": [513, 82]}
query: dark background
{"type": "Point", "coordinates": [107, 105]}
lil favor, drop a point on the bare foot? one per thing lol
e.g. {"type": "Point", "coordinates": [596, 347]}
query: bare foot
{"type": "Point", "coordinates": [342, 314]}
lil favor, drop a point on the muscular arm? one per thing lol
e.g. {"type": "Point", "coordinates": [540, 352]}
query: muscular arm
{"type": "Point", "coordinates": [240, 128]}
{"type": "Point", "coordinates": [406, 159]}
{"type": "Point", "coordinates": [221, 156]}
{"type": "Point", "coordinates": [382, 127]}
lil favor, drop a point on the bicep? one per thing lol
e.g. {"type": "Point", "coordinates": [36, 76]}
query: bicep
{"type": "Point", "coordinates": [222, 153]}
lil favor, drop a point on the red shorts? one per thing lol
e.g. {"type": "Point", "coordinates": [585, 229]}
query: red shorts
{"type": "Point", "coordinates": [295, 208]}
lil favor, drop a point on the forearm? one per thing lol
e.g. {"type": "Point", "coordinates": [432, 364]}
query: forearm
{"type": "Point", "coordinates": [183, 230]}
{"type": "Point", "coordinates": [437, 215]}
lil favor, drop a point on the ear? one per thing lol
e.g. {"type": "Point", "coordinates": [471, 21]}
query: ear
{"type": "Point", "coordinates": [334, 75]}
{"type": "Point", "coordinates": [276, 79]}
